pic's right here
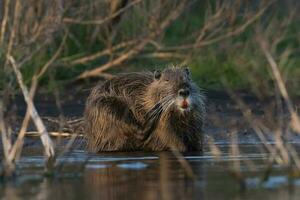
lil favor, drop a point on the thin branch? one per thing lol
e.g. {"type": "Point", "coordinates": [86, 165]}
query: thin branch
{"type": "Point", "coordinates": [53, 134]}
{"type": "Point", "coordinates": [4, 20]}
{"type": "Point", "coordinates": [295, 121]}
{"type": "Point", "coordinates": [135, 50]}
{"type": "Point", "coordinates": [5, 141]}
{"type": "Point", "coordinates": [94, 56]}
{"type": "Point", "coordinates": [101, 21]}
{"type": "Point", "coordinates": [184, 163]}
{"type": "Point", "coordinates": [202, 42]}
{"type": "Point", "coordinates": [163, 55]}
{"type": "Point", "coordinates": [46, 140]}
{"type": "Point", "coordinates": [53, 58]}
{"type": "Point", "coordinates": [239, 29]}
{"type": "Point", "coordinates": [17, 147]}
{"type": "Point", "coordinates": [13, 33]}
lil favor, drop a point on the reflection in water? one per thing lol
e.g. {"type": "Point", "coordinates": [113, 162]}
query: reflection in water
{"type": "Point", "coordinates": [152, 179]}
{"type": "Point", "coordinates": [174, 183]}
{"type": "Point", "coordinates": [139, 175]}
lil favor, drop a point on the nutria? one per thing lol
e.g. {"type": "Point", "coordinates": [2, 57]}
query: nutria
{"type": "Point", "coordinates": [151, 111]}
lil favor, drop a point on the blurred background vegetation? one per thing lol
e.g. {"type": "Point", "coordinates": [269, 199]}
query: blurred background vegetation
{"type": "Point", "coordinates": [78, 41]}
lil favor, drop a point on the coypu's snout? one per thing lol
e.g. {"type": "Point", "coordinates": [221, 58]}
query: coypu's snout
{"type": "Point", "coordinates": [184, 100]}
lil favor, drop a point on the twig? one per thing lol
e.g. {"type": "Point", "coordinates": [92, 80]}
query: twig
{"type": "Point", "coordinates": [94, 56]}
{"type": "Point", "coordinates": [214, 149]}
{"type": "Point", "coordinates": [5, 141]}
{"type": "Point", "coordinates": [101, 21]}
{"type": "Point", "coordinates": [13, 32]}
{"type": "Point", "coordinates": [4, 21]}
{"type": "Point", "coordinates": [201, 42]}
{"type": "Point", "coordinates": [17, 147]}
{"type": "Point", "coordinates": [53, 58]}
{"type": "Point", "coordinates": [295, 121]}
{"type": "Point", "coordinates": [235, 152]}
{"type": "Point", "coordinates": [163, 55]}
{"type": "Point", "coordinates": [184, 163]}
{"type": "Point", "coordinates": [46, 140]}
{"type": "Point", "coordinates": [257, 127]}
{"type": "Point", "coordinates": [52, 133]}
{"type": "Point", "coordinates": [238, 30]}
{"type": "Point", "coordinates": [136, 49]}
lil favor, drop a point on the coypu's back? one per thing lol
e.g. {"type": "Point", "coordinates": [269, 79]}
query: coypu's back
{"type": "Point", "coordinates": [145, 111]}
{"type": "Point", "coordinates": [127, 85]}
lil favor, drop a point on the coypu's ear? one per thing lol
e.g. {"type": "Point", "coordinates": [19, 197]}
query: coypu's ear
{"type": "Point", "coordinates": [157, 74]}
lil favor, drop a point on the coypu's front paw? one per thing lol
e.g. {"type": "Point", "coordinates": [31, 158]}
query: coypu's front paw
{"type": "Point", "coordinates": [143, 133]}
{"type": "Point", "coordinates": [140, 134]}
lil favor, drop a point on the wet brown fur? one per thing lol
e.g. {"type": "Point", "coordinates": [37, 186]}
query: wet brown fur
{"type": "Point", "coordinates": [137, 111]}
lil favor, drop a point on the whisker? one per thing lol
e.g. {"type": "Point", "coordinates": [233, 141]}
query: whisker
{"type": "Point", "coordinates": [159, 105]}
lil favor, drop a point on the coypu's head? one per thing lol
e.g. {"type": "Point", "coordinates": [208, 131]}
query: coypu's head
{"type": "Point", "coordinates": [173, 89]}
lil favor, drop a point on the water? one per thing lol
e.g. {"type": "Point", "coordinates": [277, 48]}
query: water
{"type": "Point", "coordinates": [140, 175]}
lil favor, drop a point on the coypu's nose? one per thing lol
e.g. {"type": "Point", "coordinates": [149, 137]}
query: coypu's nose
{"type": "Point", "coordinates": [184, 92]}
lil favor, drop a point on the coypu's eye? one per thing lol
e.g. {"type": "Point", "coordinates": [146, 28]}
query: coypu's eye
{"type": "Point", "coordinates": [157, 74]}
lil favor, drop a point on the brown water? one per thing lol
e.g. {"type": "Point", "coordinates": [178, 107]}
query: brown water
{"type": "Point", "coordinates": [140, 175]}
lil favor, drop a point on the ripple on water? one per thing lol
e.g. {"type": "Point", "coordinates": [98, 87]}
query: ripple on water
{"type": "Point", "coordinates": [133, 165]}
{"type": "Point", "coordinates": [272, 182]}
{"type": "Point", "coordinates": [97, 166]}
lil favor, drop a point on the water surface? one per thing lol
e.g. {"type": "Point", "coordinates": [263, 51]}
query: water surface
{"type": "Point", "coordinates": [142, 175]}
